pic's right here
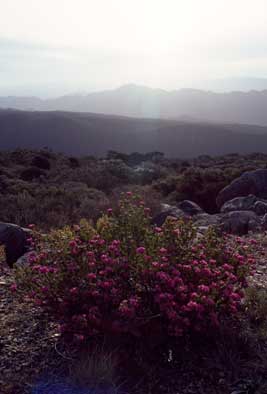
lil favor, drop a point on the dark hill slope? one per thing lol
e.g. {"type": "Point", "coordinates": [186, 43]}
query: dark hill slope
{"type": "Point", "coordinates": [85, 134]}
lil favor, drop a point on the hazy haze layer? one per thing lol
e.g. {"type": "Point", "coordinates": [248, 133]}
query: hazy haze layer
{"type": "Point", "coordinates": [55, 47]}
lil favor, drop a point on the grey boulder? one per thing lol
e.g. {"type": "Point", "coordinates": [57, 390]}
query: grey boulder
{"type": "Point", "coordinates": [206, 220]}
{"type": "Point", "coordinates": [248, 203]}
{"type": "Point", "coordinates": [168, 211]}
{"type": "Point", "coordinates": [260, 208]}
{"type": "Point", "coordinates": [252, 182]}
{"type": "Point", "coordinates": [239, 204]}
{"type": "Point", "coordinates": [240, 222]}
{"type": "Point", "coordinates": [14, 238]}
{"type": "Point", "coordinates": [189, 207]}
{"type": "Point", "coordinates": [264, 222]}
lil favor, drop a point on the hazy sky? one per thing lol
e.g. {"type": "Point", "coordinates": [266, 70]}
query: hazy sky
{"type": "Point", "coordinates": [50, 47]}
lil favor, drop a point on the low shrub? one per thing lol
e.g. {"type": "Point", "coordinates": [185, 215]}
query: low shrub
{"type": "Point", "coordinates": [41, 162]}
{"type": "Point", "coordinates": [126, 276]}
{"type": "Point", "coordinates": [255, 324]}
{"type": "Point", "coordinates": [32, 173]}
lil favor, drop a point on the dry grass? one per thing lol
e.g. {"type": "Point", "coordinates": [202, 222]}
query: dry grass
{"type": "Point", "coordinates": [96, 370]}
{"type": "Point", "coordinates": [2, 254]}
{"type": "Point", "coordinates": [255, 324]}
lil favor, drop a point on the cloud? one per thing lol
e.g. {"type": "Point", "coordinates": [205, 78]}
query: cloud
{"type": "Point", "coordinates": [98, 44]}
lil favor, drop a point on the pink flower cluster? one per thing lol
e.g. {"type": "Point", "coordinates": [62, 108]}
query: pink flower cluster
{"type": "Point", "coordinates": [137, 279]}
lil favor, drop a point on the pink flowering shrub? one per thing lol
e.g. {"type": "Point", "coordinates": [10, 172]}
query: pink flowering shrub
{"type": "Point", "coordinates": [127, 276]}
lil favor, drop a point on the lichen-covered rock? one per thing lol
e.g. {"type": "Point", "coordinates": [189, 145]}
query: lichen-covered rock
{"type": "Point", "coordinates": [206, 220]}
{"type": "Point", "coordinates": [264, 222]}
{"type": "Point", "coordinates": [168, 211]}
{"type": "Point", "coordinates": [252, 182]}
{"type": "Point", "coordinates": [190, 207]}
{"type": "Point", "coordinates": [240, 222]}
{"type": "Point", "coordinates": [239, 204]}
{"type": "Point", "coordinates": [260, 208]}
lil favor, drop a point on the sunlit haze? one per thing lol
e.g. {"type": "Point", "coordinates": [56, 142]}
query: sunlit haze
{"type": "Point", "coordinates": [55, 47]}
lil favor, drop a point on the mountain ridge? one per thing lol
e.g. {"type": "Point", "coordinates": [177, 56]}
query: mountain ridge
{"type": "Point", "coordinates": [144, 102]}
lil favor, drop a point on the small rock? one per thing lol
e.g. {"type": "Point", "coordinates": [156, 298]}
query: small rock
{"type": "Point", "coordinates": [240, 222]}
{"type": "Point", "coordinates": [239, 204]}
{"type": "Point", "coordinates": [168, 211]}
{"type": "Point", "coordinates": [190, 207]}
{"type": "Point", "coordinates": [260, 208]}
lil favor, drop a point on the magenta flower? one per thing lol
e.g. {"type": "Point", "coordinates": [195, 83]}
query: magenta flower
{"type": "Point", "coordinates": [163, 251]}
{"type": "Point", "coordinates": [140, 250]}
{"type": "Point", "coordinates": [192, 305]}
{"type": "Point", "coordinates": [91, 276]}
{"type": "Point", "coordinates": [204, 288]}
{"type": "Point", "coordinates": [43, 269]}
{"type": "Point", "coordinates": [13, 287]}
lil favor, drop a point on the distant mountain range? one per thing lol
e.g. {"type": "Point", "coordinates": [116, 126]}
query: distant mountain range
{"type": "Point", "coordinates": [243, 84]}
{"type": "Point", "coordinates": [94, 134]}
{"type": "Point", "coordinates": [143, 102]}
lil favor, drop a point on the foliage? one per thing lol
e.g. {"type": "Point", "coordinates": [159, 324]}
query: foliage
{"type": "Point", "coordinates": [52, 189]}
{"type": "Point", "coordinates": [127, 277]}
{"type": "Point", "coordinates": [199, 185]}
{"type": "Point", "coordinates": [255, 324]}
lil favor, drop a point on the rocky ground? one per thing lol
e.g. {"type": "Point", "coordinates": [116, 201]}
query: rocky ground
{"type": "Point", "coordinates": [30, 348]}
{"type": "Point", "coordinates": [27, 341]}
